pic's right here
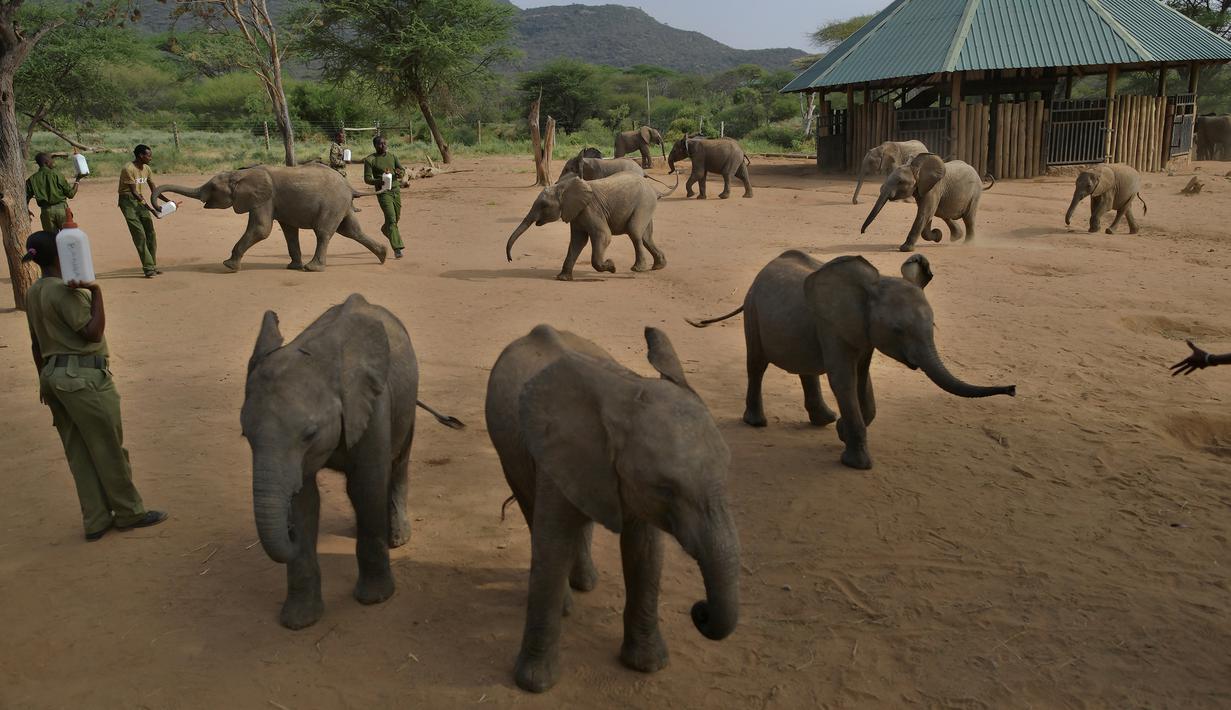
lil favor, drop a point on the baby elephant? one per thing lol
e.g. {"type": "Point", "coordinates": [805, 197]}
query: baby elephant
{"type": "Point", "coordinates": [595, 210]}
{"type": "Point", "coordinates": [583, 439]}
{"type": "Point", "coordinates": [592, 167]}
{"type": "Point", "coordinates": [341, 396]}
{"type": "Point", "coordinates": [711, 155]}
{"type": "Point", "coordinates": [812, 318]}
{"type": "Point", "coordinates": [947, 190]}
{"type": "Point", "coordinates": [1108, 187]}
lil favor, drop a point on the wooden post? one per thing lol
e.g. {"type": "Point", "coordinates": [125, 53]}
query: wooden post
{"type": "Point", "coordinates": [1036, 148]}
{"type": "Point", "coordinates": [722, 129]}
{"type": "Point", "coordinates": [1194, 71]}
{"type": "Point", "coordinates": [1068, 86]}
{"type": "Point", "coordinates": [479, 139]}
{"type": "Point", "coordinates": [267, 136]}
{"type": "Point", "coordinates": [955, 98]}
{"type": "Point", "coordinates": [549, 146]}
{"type": "Point", "coordinates": [1162, 81]}
{"type": "Point", "coordinates": [175, 134]}
{"type": "Point", "coordinates": [1113, 73]}
{"type": "Point", "coordinates": [536, 142]}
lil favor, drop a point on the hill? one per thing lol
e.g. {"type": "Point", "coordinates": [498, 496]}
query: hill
{"type": "Point", "coordinates": [614, 35]}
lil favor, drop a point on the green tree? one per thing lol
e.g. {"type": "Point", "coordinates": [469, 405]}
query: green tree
{"type": "Point", "coordinates": [416, 52]}
{"type": "Point", "coordinates": [1213, 14]}
{"type": "Point", "coordinates": [830, 35]}
{"type": "Point", "coordinates": [572, 91]}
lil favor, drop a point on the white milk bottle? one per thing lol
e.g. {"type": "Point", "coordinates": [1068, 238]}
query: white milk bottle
{"type": "Point", "coordinates": [346, 155]}
{"type": "Point", "coordinates": [76, 262]}
{"type": "Point", "coordinates": [167, 208]}
{"type": "Point", "coordinates": [388, 181]}
{"type": "Point", "coordinates": [83, 168]}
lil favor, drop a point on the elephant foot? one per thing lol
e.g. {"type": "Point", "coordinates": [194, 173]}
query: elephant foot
{"type": "Point", "coordinates": [700, 197]}
{"type": "Point", "coordinates": [1092, 230]}
{"type": "Point", "coordinates": [606, 267]}
{"type": "Point", "coordinates": [907, 247]}
{"type": "Point", "coordinates": [301, 613]}
{"type": "Point", "coordinates": [231, 264]}
{"type": "Point", "coordinates": [756, 419]}
{"type": "Point", "coordinates": [724, 195]}
{"type": "Point", "coordinates": [659, 265]}
{"type": "Point", "coordinates": [314, 265]}
{"type": "Point", "coordinates": [857, 458]}
{"type": "Point", "coordinates": [822, 418]}
{"type": "Point", "coordinates": [295, 266]}
{"type": "Point", "coordinates": [640, 267]}
{"type": "Point", "coordinates": [381, 253]}
{"type": "Point", "coordinates": [399, 532]}
{"type": "Point", "coordinates": [1133, 231]}
{"type": "Point", "coordinates": [374, 591]}
{"type": "Point", "coordinates": [536, 674]}
{"type": "Point", "coordinates": [583, 576]}
{"type": "Point", "coordinates": [648, 655]}
{"type": "Point", "coordinates": [932, 235]}
{"type": "Point", "coordinates": [564, 276]}
{"type": "Point", "coordinates": [747, 195]}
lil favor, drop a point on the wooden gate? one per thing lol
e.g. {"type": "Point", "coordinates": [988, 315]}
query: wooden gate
{"type": "Point", "coordinates": [1181, 114]}
{"type": "Point", "coordinates": [973, 131]}
{"type": "Point", "coordinates": [868, 125]}
{"type": "Point", "coordinates": [1078, 132]}
{"type": "Point", "coordinates": [831, 135]}
{"type": "Point", "coordinates": [1020, 140]}
{"type": "Point", "coordinates": [929, 125]}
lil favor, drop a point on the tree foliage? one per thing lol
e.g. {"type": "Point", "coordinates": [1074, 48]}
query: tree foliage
{"type": "Point", "coordinates": [1212, 14]}
{"type": "Point", "coordinates": [830, 35]}
{"type": "Point", "coordinates": [572, 91]}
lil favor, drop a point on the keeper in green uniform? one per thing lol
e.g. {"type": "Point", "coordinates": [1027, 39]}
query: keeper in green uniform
{"type": "Point", "coordinates": [66, 333]}
{"type": "Point", "coordinates": [51, 192]}
{"type": "Point", "coordinates": [136, 185]}
{"type": "Point", "coordinates": [337, 158]}
{"type": "Point", "coordinates": [390, 201]}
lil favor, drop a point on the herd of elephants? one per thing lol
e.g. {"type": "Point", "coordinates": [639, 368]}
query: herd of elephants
{"type": "Point", "coordinates": [581, 438]}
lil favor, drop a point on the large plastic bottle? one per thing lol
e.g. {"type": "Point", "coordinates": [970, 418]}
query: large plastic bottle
{"type": "Point", "coordinates": [388, 181]}
{"type": "Point", "coordinates": [167, 208]}
{"type": "Point", "coordinates": [76, 262]}
{"type": "Point", "coordinates": [346, 155]}
{"type": "Point", "coordinates": [83, 168]}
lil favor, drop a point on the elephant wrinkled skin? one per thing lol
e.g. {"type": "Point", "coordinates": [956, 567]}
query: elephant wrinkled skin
{"type": "Point", "coordinates": [583, 439]}
{"type": "Point", "coordinates": [711, 155]}
{"type": "Point", "coordinates": [639, 141]}
{"type": "Point", "coordinates": [310, 196]}
{"type": "Point", "coordinates": [884, 159]}
{"type": "Point", "coordinates": [341, 395]}
{"type": "Point", "coordinates": [947, 190]}
{"type": "Point", "coordinates": [589, 168]}
{"type": "Point", "coordinates": [1112, 186]}
{"type": "Point", "coordinates": [812, 318]}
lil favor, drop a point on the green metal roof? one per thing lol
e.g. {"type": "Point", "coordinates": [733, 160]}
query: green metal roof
{"type": "Point", "coordinates": [923, 37]}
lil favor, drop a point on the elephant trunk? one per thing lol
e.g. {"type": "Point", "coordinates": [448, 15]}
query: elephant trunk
{"type": "Point", "coordinates": [271, 501]}
{"type": "Point", "coordinates": [863, 168]}
{"type": "Point", "coordinates": [876, 210]}
{"type": "Point", "coordinates": [936, 371]}
{"type": "Point", "coordinates": [1068, 216]}
{"type": "Point", "coordinates": [193, 192]}
{"type": "Point", "coordinates": [716, 616]}
{"type": "Point", "coordinates": [521, 229]}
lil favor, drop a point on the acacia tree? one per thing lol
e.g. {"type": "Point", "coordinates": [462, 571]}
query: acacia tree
{"type": "Point", "coordinates": [246, 36]}
{"type": "Point", "coordinates": [416, 52]}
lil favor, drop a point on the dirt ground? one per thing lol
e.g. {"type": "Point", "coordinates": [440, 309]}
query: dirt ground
{"type": "Point", "coordinates": [1066, 548]}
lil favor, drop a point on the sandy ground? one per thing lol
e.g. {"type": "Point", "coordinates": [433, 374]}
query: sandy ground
{"type": "Point", "coordinates": [1067, 548]}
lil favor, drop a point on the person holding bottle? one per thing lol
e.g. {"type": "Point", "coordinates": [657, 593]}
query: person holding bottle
{"type": "Point", "coordinates": [136, 185]}
{"type": "Point", "coordinates": [375, 166]}
{"type": "Point", "coordinates": [66, 322]}
{"type": "Point", "coordinates": [51, 192]}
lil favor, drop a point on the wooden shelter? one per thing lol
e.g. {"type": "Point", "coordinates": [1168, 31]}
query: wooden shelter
{"type": "Point", "coordinates": [990, 82]}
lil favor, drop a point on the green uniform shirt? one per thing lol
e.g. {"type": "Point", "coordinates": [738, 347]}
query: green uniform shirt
{"type": "Point", "coordinates": [57, 314]}
{"type": "Point", "coordinates": [47, 187]}
{"type": "Point", "coordinates": [134, 178]}
{"type": "Point", "coordinates": [375, 166]}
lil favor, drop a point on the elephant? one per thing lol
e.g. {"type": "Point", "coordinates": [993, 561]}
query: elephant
{"type": "Point", "coordinates": [595, 210]}
{"type": "Point", "coordinates": [885, 158]}
{"type": "Point", "coordinates": [1212, 137]}
{"type": "Point", "coordinates": [341, 395]}
{"type": "Point", "coordinates": [583, 439]}
{"type": "Point", "coordinates": [719, 155]}
{"type": "Point", "coordinates": [947, 190]}
{"type": "Point", "coordinates": [595, 168]}
{"type": "Point", "coordinates": [573, 165]}
{"type": "Point", "coordinates": [310, 196]}
{"type": "Point", "coordinates": [812, 318]}
{"type": "Point", "coordinates": [1108, 187]}
{"type": "Point", "coordinates": [639, 140]}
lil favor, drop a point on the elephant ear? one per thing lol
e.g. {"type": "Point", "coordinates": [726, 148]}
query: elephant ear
{"type": "Point", "coordinates": [646, 134]}
{"type": "Point", "coordinates": [269, 340]}
{"type": "Point", "coordinates": [364, 366]}
{"type": "Point", "coordinates": [662, 356]}
{"type": "Point", "coordinates": [250, 187]}
{"type": "Point", "coordinates": [917, 270]}
{"type": "Point", "coordinates": [929, 168]}
{"type": "Point", "coordinates": [568, 438]}
{"type": "Point", "coordinates": [839, 293]}
{"type": "Point", "coordinates": [574, 198]}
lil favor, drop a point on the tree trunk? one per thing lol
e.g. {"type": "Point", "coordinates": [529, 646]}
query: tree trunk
{"type": "Point", "coordinates": [446, 157]}
{"type": "Point", "coordinates": [14, 219]}
{"type": "Point", "coordinates": [283, 117]}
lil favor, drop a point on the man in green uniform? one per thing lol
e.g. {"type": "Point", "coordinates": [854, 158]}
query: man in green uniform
{"type": "Point", "coordinates": [51, 192]}
{"type": "Point", "coordinates": [66, 333]}
{"type": "Point", "coordinates": [337, 158]}
{"type": "Point", "coordinates": [136, 184]}
{"type": "Point", "coordinates": [390, 201]}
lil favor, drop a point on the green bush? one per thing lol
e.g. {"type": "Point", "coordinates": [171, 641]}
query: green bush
{"type": "Point", "coordinates": [781, 136]}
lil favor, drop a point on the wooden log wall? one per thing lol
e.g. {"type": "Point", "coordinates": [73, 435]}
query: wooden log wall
{"type": "Point", "coordinates": [1142, 132]}
{"type": "Point", "coordinates": [973, 132]}
{"type": "Point", "coordinates": [868, 125]}
{"type": "Point", "coordinates": [1021, 140]}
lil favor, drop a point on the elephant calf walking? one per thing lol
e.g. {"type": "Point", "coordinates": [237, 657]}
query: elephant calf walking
{"type": "Point", "coordinates": [949, 190]}
{"type": "Point", "coordinates": [583, 439]}
{"type": "Point", "coordinates": [1112, 186]}
{"type": "Point", "coordinates": [812, 318]}
{"type": "Point", "coordinates": [717, 155]}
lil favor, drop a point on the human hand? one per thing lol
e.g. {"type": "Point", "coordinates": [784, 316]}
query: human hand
{"type": "Point", "coordinates": [91, 286]}
{"type": "Point", "coordinates": [1198, 360]}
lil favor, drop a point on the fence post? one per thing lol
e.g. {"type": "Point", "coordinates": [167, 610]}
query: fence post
{"type": "Point", "coordinates": [722, 130]}
{"type": "Point", "coordinates": [480, 138]}
{"type": "Point", "coordinates": [701, 125]}
{"type": "Point", "coordinates": [267, 136]}
{"type": "Point", "coordinates": [175, 134]}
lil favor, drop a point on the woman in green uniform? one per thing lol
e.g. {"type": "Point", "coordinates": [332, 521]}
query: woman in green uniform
{"type": "Point", "coordinates": [66, 333]}
{"type": "Point", "coordinates": [51, 192]}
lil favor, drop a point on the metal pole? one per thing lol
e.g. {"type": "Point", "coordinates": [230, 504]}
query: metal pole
{"type": "Point", "coordinates": [175, 134]}
{"type": "Point", "coordinates": [647, 103]}
{"type": "Point", "coordinates": [267, 136]}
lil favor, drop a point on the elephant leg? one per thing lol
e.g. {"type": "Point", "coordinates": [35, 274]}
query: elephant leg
{"type": "Point", "coordinates": [646, 161]}
{"type": "Point", "coordinates": [754, 407]}
{"type": "Point", "coordinates": [1098, 207]}
{"type": "Point", "coordinates": [921, 226]}
{"type": "Point", "coordinates": [255, 232]}
{"type": "Point", "coordinates": [1111, 229]}
{"type": "Point", "coordinates": [660, 259]}
{"type": "Point", "coordinates": [955, 232]}
{"type": "Point", "coordinates": [867, 400]}
{"type": "Point", "coordinates": [968, 219]}
{"type": "Point", "coordinates": [1132, 219]}
{"type": "Point", "coordinates": [323, 237]}
{"type": "Point", "coordinates": [399, 521]}
{"type": "Point", "coordinates": [583, 576]}
{"type": "Point", "coordinates": [577, 241]}
{"type": "Point", "coordinates": [819, 414]}
{"type": "Point", "coordinates": [599, 241]}
{"type": "Point", "coordinates": [692, 180]}
{"type": "Point", "coordinates": [553, 549]}
{"type": "Point", "coordinates": [642, 554]}
{"type": "Point", "coordinates": [743, 176]}
{"type": "Point", "coordinates": [350, 229]}
{"type": "Point", "coordinates": [367, 486]}
{"type": "Point", "coordinates": [852, 430]}
{"type": "Point", "coordinates": [702, 176]}
{"type": "Point", "coordinates": [292, 246]}
{"type": "Point", "coordinates": [303, 606]}
{"type": "Point", "coordinates": [637, 237]}
{"type": "Point", "coordinates": [726, 186]}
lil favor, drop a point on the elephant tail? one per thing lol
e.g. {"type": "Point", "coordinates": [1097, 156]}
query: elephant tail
{"type": "Point", "coordinates": [505, 506]}
{"type": "Point", "coordinates": [1144, 207]}
{"type": "Point", "coordinates": [660, 182]}
{"type": "Point", "coordinates": [747, 160]}
{"type": "Point", "coordinates": [990, 180]}
{"type": "Point", "coordinates": [711, 321]}
{"type": "Point", "coordinates": [354, 194]}
{"type": "Point", "coordinates": [451, 422]}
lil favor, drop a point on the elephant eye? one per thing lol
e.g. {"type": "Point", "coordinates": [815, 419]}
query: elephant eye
{"type": "Point", "coordinates": [310, 433]}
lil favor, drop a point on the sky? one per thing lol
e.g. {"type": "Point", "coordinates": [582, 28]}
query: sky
{"type": "Point", "coordinates": [743, 24]}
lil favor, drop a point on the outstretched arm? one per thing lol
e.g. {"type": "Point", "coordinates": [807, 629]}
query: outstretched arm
{"type": "Point", "coordinates": [1198, 360]}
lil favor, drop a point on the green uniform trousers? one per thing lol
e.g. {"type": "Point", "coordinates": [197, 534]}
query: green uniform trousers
{"type": "Point", "coordinates": [391, 206]}
{"type": "Point", "coordinates": [141, 227]}
{"type": "Point", "coordinates": [53, 217]}
{"type": "Point", "coordinates": [85, 408]}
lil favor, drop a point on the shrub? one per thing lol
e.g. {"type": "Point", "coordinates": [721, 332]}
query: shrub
{"type": "Point", "coordinates": [782, 136]}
